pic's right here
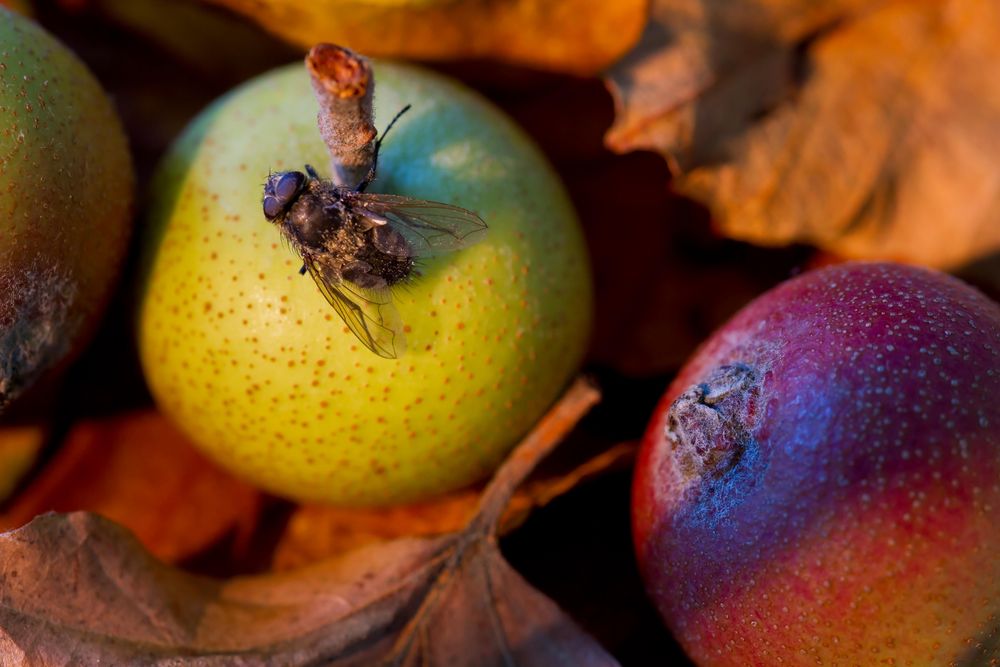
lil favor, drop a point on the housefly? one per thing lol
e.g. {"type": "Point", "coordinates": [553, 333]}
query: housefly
{"type": "Point", "coordinates": [358, 246]}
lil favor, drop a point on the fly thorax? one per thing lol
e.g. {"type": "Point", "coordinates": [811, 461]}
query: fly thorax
{"type": "Point", "coordinates": [310, 221]}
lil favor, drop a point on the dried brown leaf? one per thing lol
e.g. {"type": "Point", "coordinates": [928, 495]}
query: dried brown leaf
{"type": "Point", "coordinates": [869, 129]}
{"type": "Point", "coordinates": [78, 589]}
{"type": "Point", "coordinates": [579, 36]}
{"type": "Point", "coordinates": [138, 470]}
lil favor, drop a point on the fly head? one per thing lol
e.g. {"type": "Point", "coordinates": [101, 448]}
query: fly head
{"type": "Point", "coordinates": [280, 192]}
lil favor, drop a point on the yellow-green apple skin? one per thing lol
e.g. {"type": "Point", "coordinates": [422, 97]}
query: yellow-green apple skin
{"type": "Point", "coordinates": [66, 186]}
{"type": "Point", "coordinates": [251, 361]}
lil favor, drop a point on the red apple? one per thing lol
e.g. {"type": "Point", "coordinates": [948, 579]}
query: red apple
{"type": "Point", "coordinates": [821, 483]}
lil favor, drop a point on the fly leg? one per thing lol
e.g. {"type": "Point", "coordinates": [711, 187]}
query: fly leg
{"type": "Point", "coordinates": [370, 176]}
{"type": "Point", "coordinates": [312, 172]}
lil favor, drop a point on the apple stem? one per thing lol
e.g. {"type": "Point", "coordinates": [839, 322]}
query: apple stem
{"type": "Point", "coordinates": [543, 438]}
{"type": "Point", "coordinates": [344, 85]}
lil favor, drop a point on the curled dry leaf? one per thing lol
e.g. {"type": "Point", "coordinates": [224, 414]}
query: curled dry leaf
{"type": "Point", "coordinates": [138, 470]}
{"type": "Point", "coordinates": [78, 589]}
{"type": "Point", "coordinates": [869, 129]}
{"type": "Point", "coordinates": [578, 36]}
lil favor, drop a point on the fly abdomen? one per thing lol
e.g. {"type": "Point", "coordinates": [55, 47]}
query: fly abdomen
{"type": "Point", "coordinates": [392, 269]}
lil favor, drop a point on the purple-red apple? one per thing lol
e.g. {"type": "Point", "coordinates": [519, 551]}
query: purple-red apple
{"type": "Point", "coordinates": [821, 483]}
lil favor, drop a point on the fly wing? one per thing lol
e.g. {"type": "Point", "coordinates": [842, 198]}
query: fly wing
{"type": "Point", "coordinates": [430, 228]}
{"type": "Point", "coordinates": [368, 313]}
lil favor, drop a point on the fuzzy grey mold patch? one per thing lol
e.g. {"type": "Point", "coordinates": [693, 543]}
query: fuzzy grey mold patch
{"type": "Point", "coordinates": [709, 425]}
{"type": "Point", "coordinates": [36, 331]}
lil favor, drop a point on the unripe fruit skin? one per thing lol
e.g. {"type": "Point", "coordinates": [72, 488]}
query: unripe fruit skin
{"type": "Point", "coordinates": [66, 186]}
{"type": "Point", "coordinates": [858, 522]}
{"type": "Point", "coordinates": [251, 361]}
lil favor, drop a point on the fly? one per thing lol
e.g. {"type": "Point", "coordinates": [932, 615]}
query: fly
{"type": "Point", "coordinates": [358, 246]}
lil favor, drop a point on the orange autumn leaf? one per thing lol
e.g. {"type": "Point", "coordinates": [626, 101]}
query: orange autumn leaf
{"type": "Point", "coordinates": [578, 36]}
{"type": "Point", "coordinates": [138, 470]}
{"type": "Point", "coordinates": [868, 129]}
{"type": "Point", "coordinates": [315, 532]}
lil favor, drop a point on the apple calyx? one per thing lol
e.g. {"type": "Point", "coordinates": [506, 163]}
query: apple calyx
{"type": "Point", "coordinates": [709, 425]}
{"type": "Point", "coordinates": [32, 331]}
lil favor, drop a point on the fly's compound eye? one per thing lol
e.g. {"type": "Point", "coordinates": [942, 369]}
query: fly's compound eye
{"type": "Point", "coordinates": [288, 186]}
{"type": "Point", "coordinates": [280, 190]}
{"type": "Point", "coordinates": [272, 208]}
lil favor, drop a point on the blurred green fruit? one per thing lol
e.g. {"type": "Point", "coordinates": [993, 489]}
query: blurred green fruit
{"type": "Point", "coordinates": [65, 203]}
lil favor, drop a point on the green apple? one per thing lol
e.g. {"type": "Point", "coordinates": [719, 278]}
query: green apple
{"type": "Point", "coordinates": [246, 355]}
{"type": "Point", "coordinates": [66, 186]}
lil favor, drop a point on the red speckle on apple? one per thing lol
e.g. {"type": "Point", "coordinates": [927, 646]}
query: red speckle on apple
{"type": "Point", "coordinates": [821, 483]}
